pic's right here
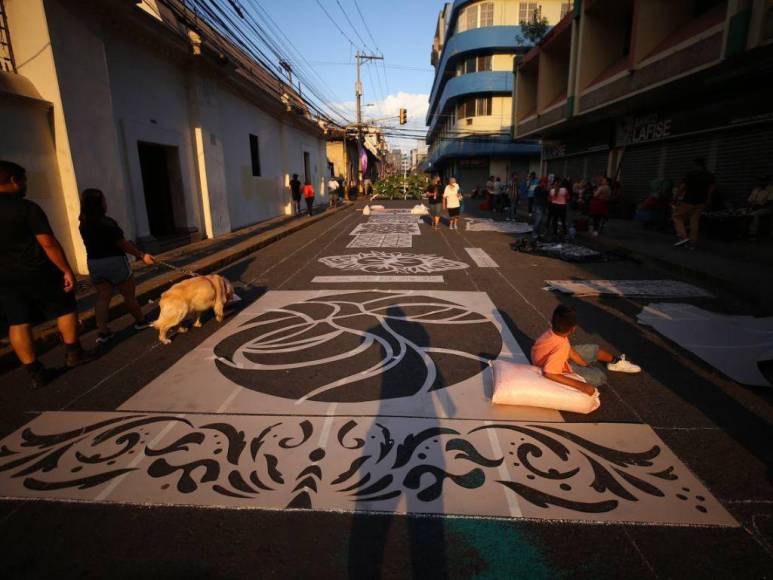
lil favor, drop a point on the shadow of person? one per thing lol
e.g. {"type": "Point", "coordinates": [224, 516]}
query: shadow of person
{"type": "Point", "coordinates": [389, 531]}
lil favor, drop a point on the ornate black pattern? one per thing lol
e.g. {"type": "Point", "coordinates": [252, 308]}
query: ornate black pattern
{"type": "Point", "coordinates": [392, 345]}
{"type": "Point", "coordinates": [365, 464]}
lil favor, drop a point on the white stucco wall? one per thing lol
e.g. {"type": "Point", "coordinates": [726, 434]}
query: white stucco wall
{"type": "Point", "coordinates": [109, 88]}
{"type": "Point", "coordinates": [150, 103]}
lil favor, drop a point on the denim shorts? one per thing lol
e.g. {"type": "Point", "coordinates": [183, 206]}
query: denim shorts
{"type": "Point", "coordinates": [113, 270]}
{"type": "Point", "coordinates": [592, 374]}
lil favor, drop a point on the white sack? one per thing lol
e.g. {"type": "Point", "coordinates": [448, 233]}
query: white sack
{"type": "Point", "coordinates": [524, 385]}
{"type": "Point", "coordinates": [419, 210]}
{"type": "Point", "coordinates": [366, 210]}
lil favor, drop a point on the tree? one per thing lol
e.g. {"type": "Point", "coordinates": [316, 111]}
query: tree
{"type": "Point", "coordinates": [392, 187]}
{"type": "Point", "coordinates": [533, 30]}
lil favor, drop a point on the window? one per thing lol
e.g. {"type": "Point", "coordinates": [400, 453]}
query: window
{"type": "Point", "coordinates": [527, 11]}
{"type": "Point", "coordinates": [566, 8]}
{"type": "Point", "coordinates": [475, 107]}
{"type": "Point", "coordinates": [483, 107]}
{"type": "Point", "coordinates": [476, 16]}
{"type": "Point", "coordinates": [473, 64]}
{"type": "Point", "coordinates": [255, 155]}
{"type": "Point", "coordinates": [472, 17]}
{"type": "Point", "coordinates": [306, 167]}
{"type": "Point", "coordinates": [486, 14]}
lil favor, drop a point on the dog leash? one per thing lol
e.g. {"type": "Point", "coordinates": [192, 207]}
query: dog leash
{"type": "Point", "coordinates": [185, 271]}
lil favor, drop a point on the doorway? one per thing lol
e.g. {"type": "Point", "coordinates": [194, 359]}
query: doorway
{"type": "Point", "coordinates": [307, 166]}
{"type": "Point", "coordinates": [158, 183]}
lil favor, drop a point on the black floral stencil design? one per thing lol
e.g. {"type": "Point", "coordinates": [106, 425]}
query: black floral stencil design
{"type": "Point", "coordinates": [389, 344]}
{"type": "Point", "coordinates": [278, 461]}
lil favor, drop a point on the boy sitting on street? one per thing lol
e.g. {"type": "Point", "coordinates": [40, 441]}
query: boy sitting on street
{"type": "Point", "coordinates": [559, 360]}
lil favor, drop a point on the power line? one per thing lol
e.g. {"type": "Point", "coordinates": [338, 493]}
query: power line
{"type": "Point", "coordinates": [375, 44]}
{"type": "Point", "coordinates": [364, 44]}
{"type": "Point", "coordinates": [341, 30]}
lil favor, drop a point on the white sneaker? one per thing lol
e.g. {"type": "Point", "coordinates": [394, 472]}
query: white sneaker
{"type": "Point", "coordinates": [624, 366]}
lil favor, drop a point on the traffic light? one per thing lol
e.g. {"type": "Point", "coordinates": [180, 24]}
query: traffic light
{"type": "Point", "coordinates": [403, 116]}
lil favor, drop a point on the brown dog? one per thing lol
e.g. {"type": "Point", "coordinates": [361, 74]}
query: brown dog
{"type": "Point", "coordinates": [192, 296]}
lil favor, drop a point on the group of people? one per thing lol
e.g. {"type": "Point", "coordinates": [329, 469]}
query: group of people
{"type": "Point", "coordinates": [549, 199]}
{"type": "Point", "coordinates": [448, 198]}
{"type": "Point", "coordinates": [37, 282]}
{"type": "Point", "coordinates": [305, 191]}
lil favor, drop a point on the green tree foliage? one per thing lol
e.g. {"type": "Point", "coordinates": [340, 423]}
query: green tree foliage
{"type": "Point", "coordinates": [392, 187]}
{"type": "Point", "coordinates": [533, 30]}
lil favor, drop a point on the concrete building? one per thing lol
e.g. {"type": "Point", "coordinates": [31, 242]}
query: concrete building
{"type": "Point", "coordinates": [470, 106]}
{"type": "Point", "coordinates": [636, 89]}
{"type": "Point", "coordinates": [418, 156]}
{"type": "Point", "coordinates": [186, 135]}
{"type": "Point", "coordinates": [343, 157]}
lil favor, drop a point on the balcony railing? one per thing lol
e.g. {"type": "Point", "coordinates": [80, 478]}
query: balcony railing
{"type": "Point", "coordinates": [7, 63]}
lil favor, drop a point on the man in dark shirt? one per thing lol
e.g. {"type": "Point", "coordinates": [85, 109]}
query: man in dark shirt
{"type": "Point", "coordinates": [295, 190]}
{"type": "Point", "coordinates": [696, 190]}
{"type": "Point", "coordinates": [36, 281]}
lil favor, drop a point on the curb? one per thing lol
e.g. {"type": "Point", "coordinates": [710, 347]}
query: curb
{"type": "Point", "coordinates": [47, 334]}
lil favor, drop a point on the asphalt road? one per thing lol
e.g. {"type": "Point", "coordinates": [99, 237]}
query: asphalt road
{"type": "Point", "coordinates": [719, 429]}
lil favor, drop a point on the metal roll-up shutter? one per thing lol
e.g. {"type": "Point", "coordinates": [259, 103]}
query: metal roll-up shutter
{"type": "Point", "coordinates": [575, 167]}
{"type": "Point", "coordinates": [681, 153]}
{"type": "Point", "coordinates": [742, 157]}
{"type": "Point", "coordinates": [557, 167]}
{"type": "Point", "coordinates": [639, 167]}
{"type": "Point", "coordinates": [597, 164]}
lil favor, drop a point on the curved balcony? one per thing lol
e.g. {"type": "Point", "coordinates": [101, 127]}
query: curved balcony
{"type": "Point", "coordinates": [476, 147]}
{"type": "Point", "coordinates": [492, 38]}
{"type": "Point", "coordinates": [488, 82]}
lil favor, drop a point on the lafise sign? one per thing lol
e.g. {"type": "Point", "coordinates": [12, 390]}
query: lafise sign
{"type": "Point", "coordinates": [650, 128]}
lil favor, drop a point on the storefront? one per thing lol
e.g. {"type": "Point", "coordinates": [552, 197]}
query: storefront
{"type": "Point", "coordinates": [734, 136]}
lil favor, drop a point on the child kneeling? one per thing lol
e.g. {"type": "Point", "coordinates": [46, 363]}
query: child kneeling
{"type": "Point", "coordinates": [566, 364]}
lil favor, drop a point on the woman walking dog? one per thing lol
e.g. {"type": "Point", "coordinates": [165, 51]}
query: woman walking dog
{"type": "Point", "coordinates": [106, 251]}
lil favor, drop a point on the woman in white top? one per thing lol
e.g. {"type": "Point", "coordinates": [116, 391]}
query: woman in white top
{"type": "Point", "coordinates": [452, 201]}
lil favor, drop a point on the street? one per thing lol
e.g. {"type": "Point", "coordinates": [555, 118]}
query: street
{"type": "Point", "coordinates": [240, 503]}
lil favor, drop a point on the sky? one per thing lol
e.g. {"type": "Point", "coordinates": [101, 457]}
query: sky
{"type": "Point", "coordinates": [402, 31]}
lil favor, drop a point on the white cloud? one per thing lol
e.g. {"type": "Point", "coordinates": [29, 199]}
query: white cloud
{"type": "Point", "coordinates": [416, 104]}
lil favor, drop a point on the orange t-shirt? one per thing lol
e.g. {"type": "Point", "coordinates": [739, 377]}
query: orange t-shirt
{"type": "Point", "coordinates": [551, 353]}
{"type": "Point", "coordinates": [308, 191]}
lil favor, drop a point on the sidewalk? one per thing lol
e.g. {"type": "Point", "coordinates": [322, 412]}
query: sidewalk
{"type": "Point", "coordinates": [202, 257]}
{"type": "Point", "coordinates": [744, 267]}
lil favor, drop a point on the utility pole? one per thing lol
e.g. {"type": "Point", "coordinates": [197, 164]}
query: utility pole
{"type": "Point", "coordinates": [358, 94]}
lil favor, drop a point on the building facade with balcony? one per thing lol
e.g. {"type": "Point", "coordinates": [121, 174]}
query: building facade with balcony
{"type": "Point", "coordinates": [186, 135]}
{"type": "Point", "coordinates": [637, 89]}
{"type": "Point", "coordinates": [470, 106]}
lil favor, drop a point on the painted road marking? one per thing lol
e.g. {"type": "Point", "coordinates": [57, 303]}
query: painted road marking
{"type": "Point", "coordinates": [377, 279]}
{"type": "Point", "coordinates": [481, 258]}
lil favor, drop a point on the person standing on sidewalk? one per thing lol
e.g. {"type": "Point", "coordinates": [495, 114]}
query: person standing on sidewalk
{"type": "Point", "coordinates": [531, 186]}
{"type": "Point", "coordinates": [559, 200]}
{"type": "Point", "coordinates": [452, 201]}
{"type": "Point", "coordinates": [109, 269]}
{"type": "Point", "coordinates": [515, 196]}
{"type": "Point", "coordinates": [295, 191]}
{"type": "Point", "coordinates": [695, 192]}
{"type": "Point", "coordinates": [539, 204]}
{"type": "Point", "coordinates": [36, 280]}
{"type": "Point", "coordinates": [332, 189]}
{"type": "Point", "coordinates": [308, 196]}
{"type": "Point", "coordinates": [599, 205]}
{"type": "Point", "coordinates": [435, 201]}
